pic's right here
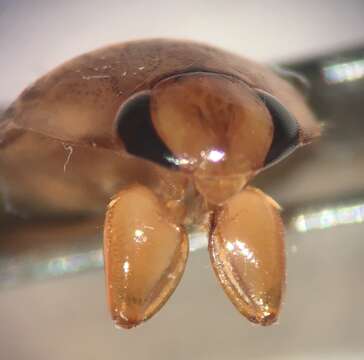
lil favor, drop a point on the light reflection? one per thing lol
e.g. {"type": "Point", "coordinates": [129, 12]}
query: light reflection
{"type": "Point", "coordinates": [329, 217]}
{"type": "Point", "coordinates": [343, 72]}
{"type": "Point", "coordinates": [239, 248]}
{"type": "Point", "coordinates": [181, 161]}
{"type": "Point", "coordinates": [214, 155]}
{"type": "Point", "coordinates": [15, 270]}
{"type": "Point", "coordinates": [126, 266]}
{"type": "Point", "coordinates": [266, 311]}
{"type": "Point", "coordinates": [139, 236]}
{"type": "Point", "coordinates": [74, 263]}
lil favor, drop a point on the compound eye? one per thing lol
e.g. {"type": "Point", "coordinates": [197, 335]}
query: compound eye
{"type": "Point", "coordinates": [135, 128]}
{"type": "Point", "coordinates": [286, 129]}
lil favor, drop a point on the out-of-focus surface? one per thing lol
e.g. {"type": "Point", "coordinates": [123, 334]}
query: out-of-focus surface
{"type": "Point", "coordinates": [51, 308]}
{"type": "Point", "coordinates": [322, 319]}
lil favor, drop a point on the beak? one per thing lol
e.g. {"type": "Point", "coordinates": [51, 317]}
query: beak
{"type": "Point", "coordinates": [217, 189]}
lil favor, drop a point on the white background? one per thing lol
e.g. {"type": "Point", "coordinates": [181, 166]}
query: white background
{"type": "Point", "coordinates": [36, 35]}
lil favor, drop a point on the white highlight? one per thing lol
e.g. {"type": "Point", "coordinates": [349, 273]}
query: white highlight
{"type": "Point", "coordinates": [126, 266]}
{"type": "Point", "coordinates": [139, 236]}
{"type": "Point", "coordinates": [215, 155]}
{"type": "Point", "coordinates": [238, 247]}
{"type": "Point", "coordinates": [329, 217]}
{"type": "Point", "coordinates": [344, 72]}
{"type": "Point", "coordinates": [181, 161]}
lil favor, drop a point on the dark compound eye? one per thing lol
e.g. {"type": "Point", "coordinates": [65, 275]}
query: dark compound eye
{"type": "Point", "coordinates": [286, 129]}
{"type": "Point", "coordinates": [135, 128]}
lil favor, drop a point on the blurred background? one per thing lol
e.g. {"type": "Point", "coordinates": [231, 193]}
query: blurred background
{"type": "Point", "coordinates": [52, 292]}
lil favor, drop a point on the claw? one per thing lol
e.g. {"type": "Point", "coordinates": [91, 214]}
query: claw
{"type": "Point", "coordinates": [247, 253]}
{"type": "Point", "coordinates": [145, 256]}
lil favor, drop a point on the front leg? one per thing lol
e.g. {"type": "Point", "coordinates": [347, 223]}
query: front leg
{"type": "Point", "coordinates": [145, 255]}
{"type": "Point", "coordinates": [247, 253]}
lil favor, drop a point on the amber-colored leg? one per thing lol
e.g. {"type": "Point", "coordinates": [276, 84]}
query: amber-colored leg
{"type": "Point", "coordinates": [247, 253]}
{"type": "Point", "coordinates": [145, 255]}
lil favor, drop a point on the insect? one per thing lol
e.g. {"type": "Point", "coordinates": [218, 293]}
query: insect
{"type": "Point", "coordinates": [163, 136]}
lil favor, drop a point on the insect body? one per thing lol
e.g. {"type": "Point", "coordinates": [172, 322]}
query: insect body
{"type": "Point", "coordinates": [168, 134]}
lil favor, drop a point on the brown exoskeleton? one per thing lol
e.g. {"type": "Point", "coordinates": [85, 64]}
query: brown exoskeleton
{"type": "Point", "coordinates": [168, 134]}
